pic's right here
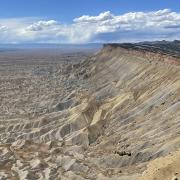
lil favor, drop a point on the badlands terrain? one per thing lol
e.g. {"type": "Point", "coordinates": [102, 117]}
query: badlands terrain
{"type": "Point", "coordinates": [109, 114]}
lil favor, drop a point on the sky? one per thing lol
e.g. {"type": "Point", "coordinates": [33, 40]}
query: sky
{"type": "Point", "coordinates": [88, 21]}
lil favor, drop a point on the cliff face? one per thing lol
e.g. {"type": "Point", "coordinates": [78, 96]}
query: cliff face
{"type": "Point", "coordinates": [124, 114]}
{"type": "Point", "coordinates": [162, 51]}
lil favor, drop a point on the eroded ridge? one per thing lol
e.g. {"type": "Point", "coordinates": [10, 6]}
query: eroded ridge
{"type": "Point", "coordinates": [104, 116]}
{"type": "Point", "coordinates": [158, 51]}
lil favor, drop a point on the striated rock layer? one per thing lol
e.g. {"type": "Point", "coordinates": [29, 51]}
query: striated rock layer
{"type": "Point", "coordinates": [118, 117]}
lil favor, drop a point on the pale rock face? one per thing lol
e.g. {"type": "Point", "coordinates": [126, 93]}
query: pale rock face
{"type": "Point", "coordinates": [37, 164]}
{"type": "Point", "coordinates": [4, 176]}
{"type": "Point", "coordinates": [19, 144]}
{"type": "Point", "coordinates": [73, 176]}
{"type": "Point", "coordinates": [65, 162]}
{"type": "Point", "coordinates": [76, 151]}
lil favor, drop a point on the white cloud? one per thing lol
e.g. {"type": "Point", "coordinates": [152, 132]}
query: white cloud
{"type": "Point", "coordinates": [102, 17]}
{"type": "Point", "coordinates": [3, 28]}
{"type": "Point", "coordinates": [105, 27]}
{"type": "Point", "coordinates": [41, 25]}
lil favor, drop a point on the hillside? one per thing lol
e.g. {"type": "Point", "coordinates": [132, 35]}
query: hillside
{"type": "Point", "coordinates": [112, 115]}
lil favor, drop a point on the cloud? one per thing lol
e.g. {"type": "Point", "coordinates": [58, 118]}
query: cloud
{"type": "Point", "coordinates": [3, 28]}
{"type": "Point", "coordinates": [173, 26]}
{"type": "Point", "coordinates": [40, 25]}
{"type": "Point", "coordinates": [102, 17]}
{"type": "Point", "coordinates": [105, 27]}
